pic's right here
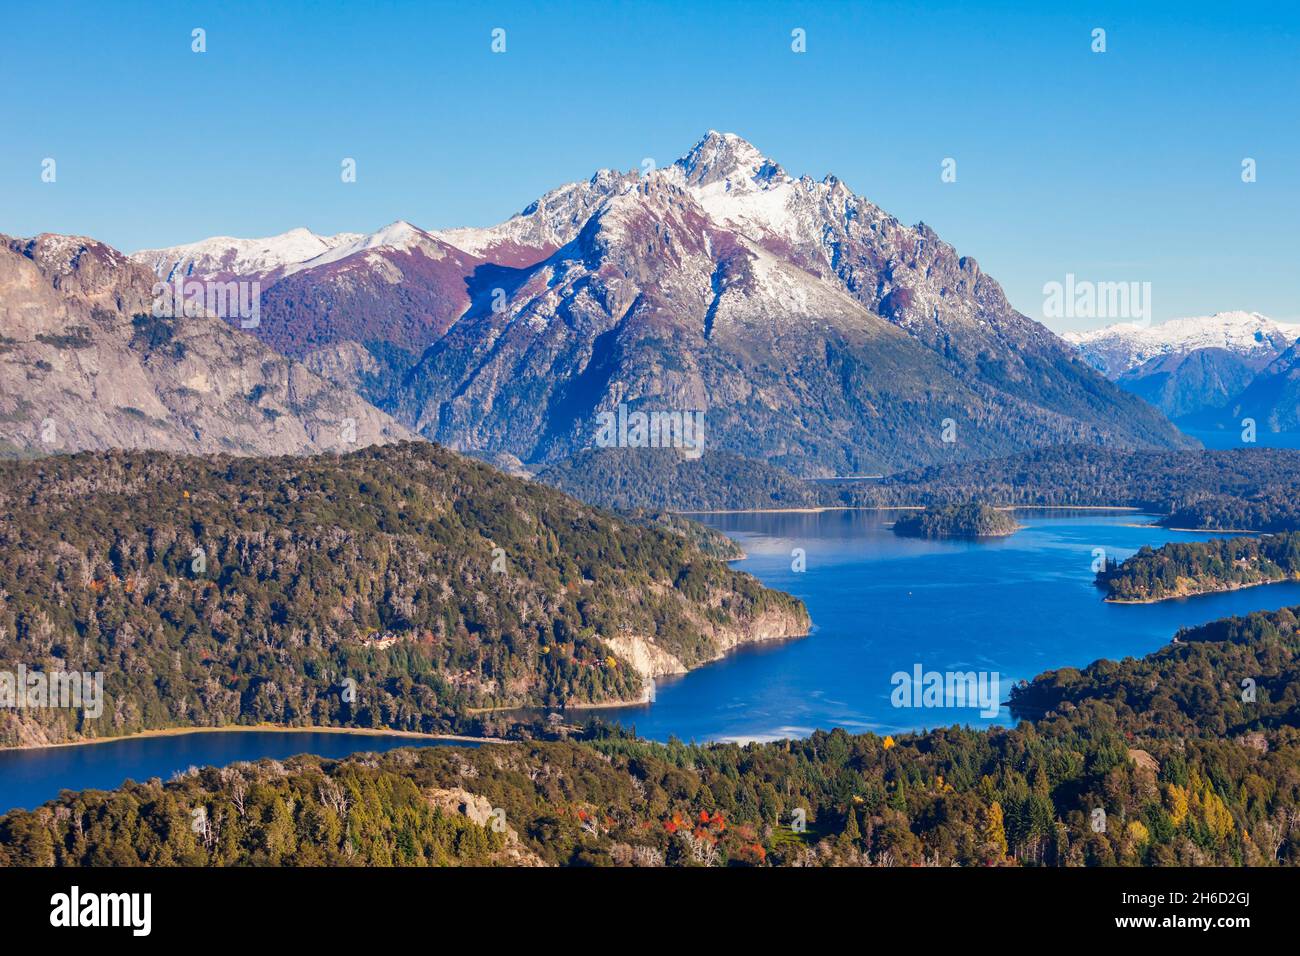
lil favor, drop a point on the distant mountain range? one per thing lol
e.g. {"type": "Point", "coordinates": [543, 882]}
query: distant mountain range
{"type": "Point", "coordinates": [1201, 370]}
{"type": "Point", "coordinates": [813, 329]}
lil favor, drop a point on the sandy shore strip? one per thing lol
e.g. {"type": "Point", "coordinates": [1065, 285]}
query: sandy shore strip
{"type": "Point", "coordinates": [265, 728]}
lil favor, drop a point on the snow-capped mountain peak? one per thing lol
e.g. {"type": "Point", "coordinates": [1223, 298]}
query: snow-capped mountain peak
{"type": "Point", "coordinates": [396, 235]}
{"type": "Point", "coordinates": [229, 255]}
{"type": "Point", "coordinates": [544, 225]}
{"type": "Point", "coordinates": [720, 157]}
{"type": "Point", "coordinates": [740, 188]}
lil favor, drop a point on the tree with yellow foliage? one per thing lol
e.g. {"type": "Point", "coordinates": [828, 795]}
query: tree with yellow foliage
{"type": "Point", "coordinates": [1176, 803]}
{"type": "Point", "coordinates": [1139, 833]}
{"type": "Point", "coordinates": [993, 834]}
{"type": "Point", "coordinates": [1214, 814]}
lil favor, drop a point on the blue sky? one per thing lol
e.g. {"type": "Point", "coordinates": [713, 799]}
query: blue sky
{"type": "Point", "coordinates": [1119, 166]}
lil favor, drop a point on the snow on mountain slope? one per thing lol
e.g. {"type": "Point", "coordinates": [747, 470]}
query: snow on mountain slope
{"type": "Point", "coordinates": [231, 256]}
{"type": "Point", "coordinates": [399, 236]}
{"type": "Point", "coordinates": [740, 187]}
{"type": "Point", "coordinates": [545, 225]}
{"type": "Point", "coordinates": [1116, 349]}
{"type": "Point", "coordinates": [723, 251]}
{"type": "Point", "coordinates": [660, 303]}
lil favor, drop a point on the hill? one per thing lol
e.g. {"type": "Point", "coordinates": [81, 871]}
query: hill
{"type": "Point", "coordinates": [398, 586]}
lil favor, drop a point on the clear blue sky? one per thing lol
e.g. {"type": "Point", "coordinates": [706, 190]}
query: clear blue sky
{"type": "Point", "coordinates": [1122, 166]}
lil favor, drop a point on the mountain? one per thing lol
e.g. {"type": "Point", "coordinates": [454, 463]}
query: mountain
{"type": "Point", "coordinates": [1183, 385]}
{"type": "Point", "coordinates": [227, 257]}
{"type": "Point", "coordinates": [359, 310]}
{"type": "Point", "coordinates": [544, 226]}
{"type": "Point", "coordinates": [363, 313]}
{"type": "Point", "coordinates": [1272, 398]}
{"type": "Point", "coordinates": [813, 329]}
{"type": "Point", "coordinates": [85, 364]}
{"type": "Point", "coordinates": [262, 586]}
{"type": "Point", "coordinates": [1117, 349]}
{"type": "Point", "coordinates": [1192, 368]}
{"type": "Point", "coordinates": [1186, 367]}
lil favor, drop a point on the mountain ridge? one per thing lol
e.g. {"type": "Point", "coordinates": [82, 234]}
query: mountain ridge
{"type": "Point", "coordinates": [769, 301]}
{"type": "Point", "coordinates": [1194, 368]}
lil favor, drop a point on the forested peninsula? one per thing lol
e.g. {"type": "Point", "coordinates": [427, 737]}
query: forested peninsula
{"type": "Point", "coordinates": [1186, 568]}
{"type": "Point", "coordinates": [400, 586]}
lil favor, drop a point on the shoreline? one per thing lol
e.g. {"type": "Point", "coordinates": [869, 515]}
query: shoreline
{"type": "Point", "coordinates": [816, 509]}
{"type": "Point", "coordinates": [1208, 530]}
{"type": "Point", "coordinates": [558, 709]}
{"type": "Point", "coordinates": [262, 728]}
{"type": "Point", "coordinates": [1191, 594]}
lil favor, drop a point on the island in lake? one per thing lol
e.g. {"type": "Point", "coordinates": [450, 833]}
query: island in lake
{"type": "Point", "coordinates": [969, 520]}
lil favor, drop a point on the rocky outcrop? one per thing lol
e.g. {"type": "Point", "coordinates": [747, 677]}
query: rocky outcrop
{"type": "Point", "coordinates": [771, 624]}
{"type": "Point", "coordinates": [479, 810]}
{"type": "Point", "coordinates": [86, 364]}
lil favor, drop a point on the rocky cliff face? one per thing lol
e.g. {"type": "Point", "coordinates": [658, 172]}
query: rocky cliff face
{"type": "Point", "coordinates": [84, 364]}
{"type": "Point", "coordinates": [650, 660]}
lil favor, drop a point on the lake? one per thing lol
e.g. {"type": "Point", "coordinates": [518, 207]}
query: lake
{"type": "Point", "coordinates": [1230, 437]}
{"type": "Point", "coordinates": [880, 604]}
{"type": "Point", "coordinates": [30, 777]}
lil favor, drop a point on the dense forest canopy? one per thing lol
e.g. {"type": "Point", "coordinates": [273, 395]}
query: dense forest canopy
{"type": "Point", "coordinates": [216, 590]}
{"type": "Point", "coordinates": [969, 520]}
{"type": "Point", "coordinates": [1244, 488]}
{"type": "Point", "coordinates": [1252, 489]}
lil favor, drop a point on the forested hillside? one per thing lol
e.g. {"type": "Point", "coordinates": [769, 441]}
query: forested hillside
{"type": "Point", "coordinates": [1252, 489]}
{"type": "Point", "coordinates": [1258, 481]}
{"type": "Point", "coordinates": [1163, 761]}
{"type": "Point", "coordinates": [969, 520]}
{"type": "Point", "coordinates": [393, 587]}
{"type": "Point", "coordinates": [629, 478]}
{"type": "Point", "coordinates": [1184, 568]}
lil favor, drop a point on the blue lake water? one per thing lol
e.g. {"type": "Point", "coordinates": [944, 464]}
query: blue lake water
{"type": "Point", "coordinates": [1229, 437]}
{"type": "Point", "coordinates": [30, 777]}
{"type": "Point", "coordinates": [881, 604]}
